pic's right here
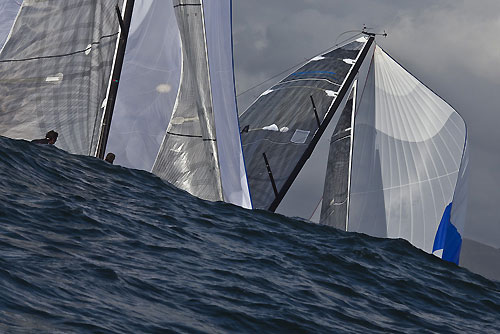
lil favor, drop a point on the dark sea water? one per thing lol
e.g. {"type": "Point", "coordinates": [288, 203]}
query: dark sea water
{"type": "Point", "coordinates": [87, 247]}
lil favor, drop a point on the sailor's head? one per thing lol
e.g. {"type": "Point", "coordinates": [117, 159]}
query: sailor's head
{"type": "Point", "coordinates": [110, 157]}
{"type": "Point", "coordinates": [52, 137]}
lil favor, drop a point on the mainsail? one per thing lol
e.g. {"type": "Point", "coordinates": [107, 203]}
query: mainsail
{"type": "Point", "coordinates": [55, 70]}
{"type": "Point", "coordinates": [290, 122]}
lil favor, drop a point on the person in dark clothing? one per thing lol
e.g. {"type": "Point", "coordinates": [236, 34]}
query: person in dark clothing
{"type": "Point", "coordinates": [110, 157]}
{"type": "Point", "coordinates": [50, 138]}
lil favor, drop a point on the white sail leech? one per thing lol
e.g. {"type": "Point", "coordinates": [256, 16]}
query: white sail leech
{"type": "Point", "coordinates": [218, 25]}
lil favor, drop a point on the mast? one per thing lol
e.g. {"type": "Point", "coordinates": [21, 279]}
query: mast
{"type": "Point", "coordinates": [115, 77]}
{"type": "Point", "coordinates": [307, 153]}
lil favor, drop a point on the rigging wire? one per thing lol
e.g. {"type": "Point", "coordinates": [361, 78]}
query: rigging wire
{"type": "Point", "coordinates": [359, 32]}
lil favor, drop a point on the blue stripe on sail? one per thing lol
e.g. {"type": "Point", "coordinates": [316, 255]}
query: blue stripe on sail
{"type": "Point", "coordinates": [448, 238]}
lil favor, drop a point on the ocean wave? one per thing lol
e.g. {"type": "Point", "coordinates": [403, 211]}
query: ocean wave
{"type": "Point", "coordinates": [89, 247]}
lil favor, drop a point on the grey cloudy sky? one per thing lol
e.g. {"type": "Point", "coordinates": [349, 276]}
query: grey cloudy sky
{"type": "Point", "coordinates": [450, 45]}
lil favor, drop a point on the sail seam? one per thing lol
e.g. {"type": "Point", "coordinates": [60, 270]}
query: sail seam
{"type": "Point", "coordinates": [408, 184]}
{"type": "Point", "coordinates": [61, 55]}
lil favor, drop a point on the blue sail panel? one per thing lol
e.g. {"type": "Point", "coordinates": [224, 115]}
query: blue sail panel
{"type": "Point", "coordinates": [448, 239]}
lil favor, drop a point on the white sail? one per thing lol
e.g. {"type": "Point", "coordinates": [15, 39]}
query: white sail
{"type": "Point", "coordinates": [408, 149]}
{"type": "Point", "coordinates": [218, 24]}
{"type": "Point", "coordinates": [201, 151]}
{"type": "Point", "coordinates": [148, 86]}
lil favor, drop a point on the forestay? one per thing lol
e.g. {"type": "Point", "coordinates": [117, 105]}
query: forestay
{"type": "Point", "coordinates": [55, 71]}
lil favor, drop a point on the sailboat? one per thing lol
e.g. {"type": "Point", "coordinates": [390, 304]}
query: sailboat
{"type": "Point", "coordinates": [350, 139]}
{"type": "Point", "coordinates": [353, 140]}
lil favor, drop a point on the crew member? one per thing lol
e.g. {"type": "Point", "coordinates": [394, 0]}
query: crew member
{"type": "Point", "coordinates": [110, 157]}
{"type": "Point", "coordinates": [50, 138]}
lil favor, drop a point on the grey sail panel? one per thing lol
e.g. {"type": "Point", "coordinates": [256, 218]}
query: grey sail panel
{"type": "Point", "coordinates": [188, 155]}
{"type": "Point", "coordinates": [148, 85]}
{"type": "Point", "coordinates": [282, 124]}
{"type": "Point", "coordinates": [336, 189]}
{"type": "Point", "coordinates": [55, 69]}
{"type": "Point", "coordinates": [311, 177]}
